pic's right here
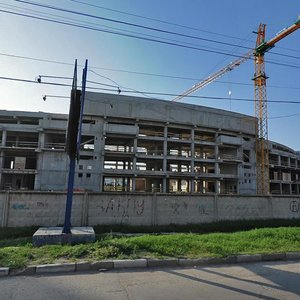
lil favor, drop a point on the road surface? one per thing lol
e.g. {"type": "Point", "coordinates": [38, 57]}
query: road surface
{"type": "Point", "coordinates": [266, 280]}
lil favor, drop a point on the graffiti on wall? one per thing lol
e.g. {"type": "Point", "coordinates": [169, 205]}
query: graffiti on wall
{"type": "Point", "coordinates": [122, 207]}
{"type": "Point", "coordinates": [42, 204]}
{"type": "Point", "coordinates": [202, 209]}
{"type": "Point", "coordinates": [186, 208]}
{"type": "Point", "coordinates": [19, 206]}
{"type": "Point", "coordinates": [294, 206]}
{"type": "Point", "coordinates": [26, 206]}
{"type": "Point", "coordinates": [178, 207]}
{"type": "Point", "coordinates": [245, 210]}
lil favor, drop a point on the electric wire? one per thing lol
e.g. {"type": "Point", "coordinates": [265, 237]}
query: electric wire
{"type": "Point", "coordinates": [238, 99]}
{"type": "Point", "coordinates": [153, 93]}
{"type": "Point", "coordinates": [284, 116]}
{"type": "Point", "coordinates": [171, 23]}
{"type": "Point", "coordinates": [123, 34]}
{"type": "Point", "coordinates": [145, 38]}
{"type": "Point", "coordinates": [276, 63]}
{"type": "Point", "coordinates": [39, 14]}
{"type": "Point", "coordinates": [157, 20]}
{"type": "Point", "coordinates": [135, 72]}
{"type": "Point", "coordinates": [138, 25]}
{"type": "Point", "coordinates": [117, 85]}
{"type": "Point", "coordinates": [127, 23]}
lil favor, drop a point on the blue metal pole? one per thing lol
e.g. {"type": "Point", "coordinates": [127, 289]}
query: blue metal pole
{"type": "Point", "coordinates": [67, 224]}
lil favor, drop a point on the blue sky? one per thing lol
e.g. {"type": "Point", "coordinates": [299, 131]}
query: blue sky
{"type": "Point", "coordinates": [230, 22]}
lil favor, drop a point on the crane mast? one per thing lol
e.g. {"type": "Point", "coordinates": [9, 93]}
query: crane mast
{"type": "Point", "coordinates": [261, 114]}
{"type": "Point", "coordinates": [260, 97]}
{"type": "Point", "coordinates": [261, 104]}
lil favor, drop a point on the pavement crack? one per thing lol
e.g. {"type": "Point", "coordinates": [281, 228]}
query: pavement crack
{"type": "Point", "coordinates": [124, 288]}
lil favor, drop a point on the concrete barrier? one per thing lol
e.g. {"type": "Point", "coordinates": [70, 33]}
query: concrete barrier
{"type": "Point", "coordinates": [18, 209]}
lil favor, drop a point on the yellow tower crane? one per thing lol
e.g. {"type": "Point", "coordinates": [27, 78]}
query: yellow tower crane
{"type": "Point", "coordinates": [260, 98]}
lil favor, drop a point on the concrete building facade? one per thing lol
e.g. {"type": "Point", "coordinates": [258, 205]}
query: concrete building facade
{"type": "Point", "coordinates": [284, 170]}
{"type": "Point", "coordinates": [133, 144]}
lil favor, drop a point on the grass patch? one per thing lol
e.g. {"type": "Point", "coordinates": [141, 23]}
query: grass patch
{"type": "Point", "coordinates": [18, 253]}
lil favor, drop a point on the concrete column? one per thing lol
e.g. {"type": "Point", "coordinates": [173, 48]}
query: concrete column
{"type": "Point", "coordinates": [165, 159]}
{"type": "Point", "coordinates": [135, 142]}
{"type": "Point", "coordinates": [128, 185]}
{"type": "Point", "coordinates": [1, 159]}
{"type": "Point", "coordinates": [39, 167]}
{"type": "Point", "coordinates": [41, 140]}
{"type": "Point", "coordinates": [134, 166]}
{"type": "Point", "coordinates": [192, 160]}
{"type": "Point", "coordinates": [192, 185]}
{"type": "Point", "coordinates": [164, 185]}
{"type": "Point", "coordinates": [165, 147]}
{"type": "Point", "coordinates": [101, 183]}
{"type": "Point", "coordinates": [4, 136]}
{"type": "Point", "coordinates": [1, 166]}
{"type": "Point", "coordinates": [217, 185]}
{"type": "Point", "coordinates": [99, 155]}
{"type": "Point", "coordinates": [133, 183]}
{"type": "Point", "coordinates": [217, 167]}
{"type": "Point", "coordinates": [217, 171]}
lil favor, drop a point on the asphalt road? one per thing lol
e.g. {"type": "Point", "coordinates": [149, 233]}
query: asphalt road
{"type": "Point", "coordinates": [266, 280]}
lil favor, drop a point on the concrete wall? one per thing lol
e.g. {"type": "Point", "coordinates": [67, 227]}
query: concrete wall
{"type": "Point", "coordinates": [47, 208]}
{"type": "Point", "coordinates": [109, 105]}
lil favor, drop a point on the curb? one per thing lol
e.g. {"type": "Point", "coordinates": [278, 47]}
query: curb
{"type": "Point", "coordinates": [105, 265]}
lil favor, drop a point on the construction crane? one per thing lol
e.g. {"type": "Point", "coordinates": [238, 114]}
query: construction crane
{"type": "Point", "coordinates": [260, 97]}
{"type": "Point", "coordinates": [215, 76]}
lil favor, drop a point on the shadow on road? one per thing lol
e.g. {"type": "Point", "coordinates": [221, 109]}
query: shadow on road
{"type": "Point", "coordinates": [273, 275]}
{"type": "Point", "coordinates": [282, 279]}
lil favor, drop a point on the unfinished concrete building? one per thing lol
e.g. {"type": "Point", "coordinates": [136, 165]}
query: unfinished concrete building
{"type": "Point", "coordinates": [284, 170]}
{"type": "Point", "coordinates": [133, 144]}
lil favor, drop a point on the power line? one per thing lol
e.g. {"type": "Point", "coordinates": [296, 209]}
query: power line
{"type": "Point", "coordinates": [158, 20]}
{"type": "Point", "coordinates": [153, 93]}
{"type": "Point", "coordinates": [179, 25]}
{"type": "Point", "coordinates": [142, 38]}
{"type": "Point", "coordinates": [122, 34]}
{"type": "Point", "coordinates": [37, 59]}
{"type": "Point", "coordinates": [39, 14]}
{"type": "Point", "coordinates": [55, 77]}
{"type": "Point", "coordinates": [55, 96]}
{"type": "Point", "coordinates": [135, 72]}
{"type": "Point", "coordinates": [129, 23]}
{"type": "Point", "coordinates": [118, 86]}
{"type": "Point", "coordinates": [141, 26]}
{"type": "Point", "coordinates": [285, 116]}
{"type": "Point", "coordinates": [33, 81]}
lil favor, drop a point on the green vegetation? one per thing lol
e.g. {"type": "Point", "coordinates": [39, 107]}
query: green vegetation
{"type": "Point", "coordinates": [18, 252]}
